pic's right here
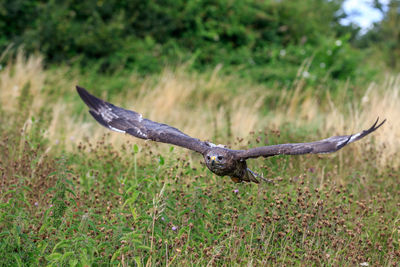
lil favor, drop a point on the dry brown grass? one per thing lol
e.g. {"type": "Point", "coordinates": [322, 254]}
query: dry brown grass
{"type": "Point", "coordinates": [18, 73]}
{"type": "Point", "coordinates": [204, 106]}
{"type": "Point", "coordinates": [338, 116]}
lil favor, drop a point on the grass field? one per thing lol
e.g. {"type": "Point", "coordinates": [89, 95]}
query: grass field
{"type": "Point", "coordinates": [73, 193]}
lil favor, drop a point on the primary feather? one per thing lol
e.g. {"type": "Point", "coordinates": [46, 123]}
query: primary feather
{"type": "Point", "coordinates": [133, 123]}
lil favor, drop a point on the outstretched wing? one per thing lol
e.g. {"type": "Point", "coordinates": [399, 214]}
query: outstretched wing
{"type": "Point", "coordinates": [328, 145]}
{"type": "Point", "coordinates": [131, 122]}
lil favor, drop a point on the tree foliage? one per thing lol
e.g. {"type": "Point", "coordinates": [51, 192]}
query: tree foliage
{"type": "Point", "coordinates": [267, 40]}
{"type": "Point", "coordinates": [385, 35]}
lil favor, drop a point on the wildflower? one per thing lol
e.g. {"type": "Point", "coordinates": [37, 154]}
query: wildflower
{"type": "Point", "coordinates": [338, 43]}
{"type": "Point", "coordinates": [364, 264]}
{"type": "Point", "coordinates": [162, 219]}
{"type": "Point", "coordinates": [36, 203]}
{"type": "Point", "coordinates": [174, 228]}
{"type": "Point", "coordinates": [236, 191]}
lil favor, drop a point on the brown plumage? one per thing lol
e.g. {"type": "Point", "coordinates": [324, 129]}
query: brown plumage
{"type": "Point", "coordinates": [221, 161]}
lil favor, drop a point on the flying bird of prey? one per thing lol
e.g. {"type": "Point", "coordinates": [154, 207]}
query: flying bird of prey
{"type": "Point", "coordinates": [220, 160]}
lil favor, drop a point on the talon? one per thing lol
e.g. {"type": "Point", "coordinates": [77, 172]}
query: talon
{"type": "Point", "coordinates": [266, 180]}
{"type": "Point", "coordinates": [260, 176]}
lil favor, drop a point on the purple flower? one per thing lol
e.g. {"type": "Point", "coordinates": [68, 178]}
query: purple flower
{"type": "Point", "coordinates": [236, 191]}
{"type": "Point", "coordinates": [174, 228]}
{"type": "Point", "coordinates": [36, 203]}
{"type": "Point", "coordinates": [162, 218]}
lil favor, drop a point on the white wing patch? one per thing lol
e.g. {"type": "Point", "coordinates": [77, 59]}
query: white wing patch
{"type": "Point", "coordinates": [139, 132]}
{"type": "Point", "coordinates": [211, 144]}
{"type": "Point", "coordinates": [354, 137]}
{"type": "Point", "coordinates": [115, 129]}
{"type": "Point", "coordinates": [214, 145]}
{"type": "Point", "coordinates": [107, 114]}
{"type": "Point", "coordinates": [339, 144]}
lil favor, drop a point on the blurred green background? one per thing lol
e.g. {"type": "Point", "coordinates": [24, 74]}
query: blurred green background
{"type": "Point", "coordinates": [265, 41]}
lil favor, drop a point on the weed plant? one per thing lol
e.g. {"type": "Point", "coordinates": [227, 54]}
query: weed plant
{"type": "Point", "coordinates": [72, 196]}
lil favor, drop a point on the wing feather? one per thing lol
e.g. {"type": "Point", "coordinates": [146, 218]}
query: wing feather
{"type": "Point", "coordinates": [327, 145]}
{"type": "Point", "coordinates": [131, 122]}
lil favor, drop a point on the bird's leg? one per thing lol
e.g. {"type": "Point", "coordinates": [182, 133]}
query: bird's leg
{"type": "Point", "coordinates": [260, 176]}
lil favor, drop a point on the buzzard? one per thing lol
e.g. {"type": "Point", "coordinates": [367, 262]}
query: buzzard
{"type": "Point", "coordinates": [220, 160]}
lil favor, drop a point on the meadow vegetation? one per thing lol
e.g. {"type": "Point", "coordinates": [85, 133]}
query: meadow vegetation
{"type": "Point", "coordinates": [242, 73]}
{"type": "Point", "coordinates": [73, 193]}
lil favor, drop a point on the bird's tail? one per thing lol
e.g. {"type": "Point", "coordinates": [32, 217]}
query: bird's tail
{"type": "Point", "coordinates": [252, 177]}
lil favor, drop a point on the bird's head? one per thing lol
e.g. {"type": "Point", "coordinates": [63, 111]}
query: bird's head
{"type": "Point", "coordinates": [217, 160]}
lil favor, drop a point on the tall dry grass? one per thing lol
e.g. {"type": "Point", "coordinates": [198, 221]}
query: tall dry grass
{"type": "Point", "coordinates": [18, 73]}
{"type": "Point", "coordinates": [340, 116]}
{"type": "Point", "coordinates": [204, 106]}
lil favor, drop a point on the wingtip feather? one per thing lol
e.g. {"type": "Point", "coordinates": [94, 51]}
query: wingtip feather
{"type": "Point", "coordinates": [374, 126]}
{"type": "Point", "coordinates": [81, 91]}
{"type": "Point", "coordinates": [364, 133]}
{"type": "Point", "coordinates": [380, 124]}
{"type": "Point", "coordinates": [93, 102]}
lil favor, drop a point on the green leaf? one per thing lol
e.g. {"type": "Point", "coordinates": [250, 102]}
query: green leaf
{"type": "Point", "coordinates": [54, 256]}
{"type": "Point", "coordinates": [161, 160]}
{"type": "Point", "coordinates": [115, 255]}
{"type": "Point", "coordinates": [67, 255]}
{"type": "Point", "coordinates": [138, 262]}
{"type": "Point", "coordinates": [72, 192]}
{"type": "Point", "coordinates": [61, 244]}
{"type": "Point", "coordinates": [73, 262]}
{"type": "Point", "coordinates": [17, 259]}
{"type": "Point", "coordinates": [135, 148]}
{"type": "Point", "coordinates": [42, 246]}
{"type": "Point", "coordinates": [131, 199]}
{"type": "Point", "coordinates": [134, 214]}
{"type": "Point", "coordinates": [144, 247]}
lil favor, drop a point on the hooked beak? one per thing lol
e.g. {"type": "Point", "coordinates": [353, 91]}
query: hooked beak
{"type": "Point", "coordinates": [213, 160]}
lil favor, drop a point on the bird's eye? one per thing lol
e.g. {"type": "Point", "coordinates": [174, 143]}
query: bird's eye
{"type": "Point", "coordinates": [208, 157]}
{"type": "Point", "coordinates": [219, 157]}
